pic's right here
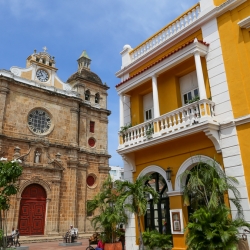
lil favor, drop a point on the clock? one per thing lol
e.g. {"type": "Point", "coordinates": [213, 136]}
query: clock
{"type": "Point", "coordinates": [42, 75]}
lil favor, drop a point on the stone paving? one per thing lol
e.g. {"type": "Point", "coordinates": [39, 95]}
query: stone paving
{"type": "Point", "coordinates": [55, 245]}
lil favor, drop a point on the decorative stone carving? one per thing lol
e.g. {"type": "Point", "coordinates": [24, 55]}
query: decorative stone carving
{"type": "Point", "coordinates": [58, 156]}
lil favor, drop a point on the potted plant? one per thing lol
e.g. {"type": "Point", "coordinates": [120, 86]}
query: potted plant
{"type": "Point", "coordinates": [110, 214]}
{"type": "Point", "coordinates": [149, 132]}
{"type": "Point", "coordinates": [133, 196]}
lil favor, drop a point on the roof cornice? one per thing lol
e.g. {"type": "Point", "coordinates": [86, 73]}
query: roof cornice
{"type": "Point", "coordinates": [166, 62]}
{"type": "Point", "coordinates": [203, 18]}
{"type": "Point", "coordinates": [11, 77]}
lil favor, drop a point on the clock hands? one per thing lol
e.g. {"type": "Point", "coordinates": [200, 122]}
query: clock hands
{"type": "Point", "coordinates": [42, 75]}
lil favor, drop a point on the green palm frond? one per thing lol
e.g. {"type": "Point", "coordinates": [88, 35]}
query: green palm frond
{"type": "Point", "coordinates": [134, 197]}
{"type": "Point", "coordinates": [111, 211]}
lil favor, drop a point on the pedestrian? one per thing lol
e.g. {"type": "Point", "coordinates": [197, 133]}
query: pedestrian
{"type": "Point", "coordinates": [100, 245]}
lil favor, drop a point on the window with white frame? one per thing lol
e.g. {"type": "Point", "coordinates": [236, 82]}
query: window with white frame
{"type": "Point", "coordinates": [189, 87]}
{"type": "Point", "coordinates": [148, 107]}
{"type": "Point", "coordinates": [191, 95]}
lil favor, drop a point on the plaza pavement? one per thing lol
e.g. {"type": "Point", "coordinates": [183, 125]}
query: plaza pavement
{"type": "Point", "coordinates": [55, 245]}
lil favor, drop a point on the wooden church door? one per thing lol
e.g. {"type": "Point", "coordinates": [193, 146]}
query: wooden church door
{"type": "Point", "coordinates": [32, 210]}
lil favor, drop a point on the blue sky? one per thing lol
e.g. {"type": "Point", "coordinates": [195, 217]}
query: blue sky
{"type": "Point", "coordinates": [67, 27]}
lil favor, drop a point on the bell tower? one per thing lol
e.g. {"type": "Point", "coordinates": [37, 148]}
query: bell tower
{"type": "Point", "coordinates": [84, 61]}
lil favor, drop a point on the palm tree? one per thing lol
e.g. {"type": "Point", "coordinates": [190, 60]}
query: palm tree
{"type": "Point", "coordinates": [111, 212]}
{"type": "Point", "coordinates": [134, 196]}
{"type": "Point", "coordinates": [210, 225]}
{"type": "Point", "coordinates": [208, 184]}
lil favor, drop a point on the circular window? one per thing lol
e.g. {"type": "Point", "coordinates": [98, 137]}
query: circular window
{"type": "Point", "coordinates": [91, 142]}
{"type": "Point", "coordinates": [91, 180]}
{"type": "Point", "coordinates": [39, 121]}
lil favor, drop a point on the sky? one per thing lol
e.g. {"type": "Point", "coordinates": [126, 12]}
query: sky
{"type": "Point", "coordinates": [67, 27]}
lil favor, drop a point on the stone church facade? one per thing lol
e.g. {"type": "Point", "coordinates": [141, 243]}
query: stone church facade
{"type": "Point", "coordinates": [59, 132]}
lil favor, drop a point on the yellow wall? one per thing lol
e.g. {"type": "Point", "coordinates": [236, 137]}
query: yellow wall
{"type": "Point", "coordinates": [197, 35]}
{"type": "Point", "coordinates": [236, 55]}
{"type": "Point", "coordinates": [219, 2]}
{"type": "Point", "coordinates": [136, 102]}
{"type": "Point", "coordinates": [244, 135]}
{"type": "Point", "coordinates": [27, 74]}
{"type": "Point", "coordinates": [173, 154]}
{"type": "Point", "coordinates": [168, 90]}
{"type": "Point", "coordinates": [57, 84]}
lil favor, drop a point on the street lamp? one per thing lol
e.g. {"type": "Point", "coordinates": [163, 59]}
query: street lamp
{"type": "Point", "coordinates": [168, 172]}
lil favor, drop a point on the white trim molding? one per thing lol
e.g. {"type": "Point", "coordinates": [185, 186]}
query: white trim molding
{"type": "Point", "coordinates": [245, 23]}
{"type": "Point", "coordinates": [242, 120]}
{"type": "Point", "coordinates": [157, 169]}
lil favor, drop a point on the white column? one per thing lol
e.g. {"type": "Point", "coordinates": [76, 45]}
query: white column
{"type": "Point", "coordinates": [121, 111]}
{"type": "Point", "coordinates": [200, 77]}
{"type": "Point", "coordinates": [155, 97]}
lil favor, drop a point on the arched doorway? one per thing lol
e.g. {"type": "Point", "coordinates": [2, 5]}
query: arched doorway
{"type": "Point", "coordinates": [32, 210]}
{"type": "Point", "coordinates": [158, 214]}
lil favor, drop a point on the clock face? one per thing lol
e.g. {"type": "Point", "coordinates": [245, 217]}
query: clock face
{"type": "Point", "coordinates": [42, 75]}
{"type": "Point", "coordinates": [39, 121]}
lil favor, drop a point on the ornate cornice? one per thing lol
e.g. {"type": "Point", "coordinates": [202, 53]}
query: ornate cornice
{"type": "Point", "coordinates": [103, 169]}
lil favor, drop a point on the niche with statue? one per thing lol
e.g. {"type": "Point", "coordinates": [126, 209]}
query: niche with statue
{"type": "Point", "coordinates": [38, 156]}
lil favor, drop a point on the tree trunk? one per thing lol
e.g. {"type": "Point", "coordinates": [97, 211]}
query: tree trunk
{"type": "Point", "coordinates": [141, 245]}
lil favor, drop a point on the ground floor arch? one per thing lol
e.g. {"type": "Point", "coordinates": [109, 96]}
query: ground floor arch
{"type": "Point", "coordinates": [32, 210]}
{"type": "Point", "coordinates": [157, 216]}
{"type": "Point", "coordinates": [188, 165]}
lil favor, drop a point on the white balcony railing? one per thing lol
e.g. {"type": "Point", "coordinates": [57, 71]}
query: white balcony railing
{"type": "Point", "coordinates": [185, 117]}
{"type": "Point", "coordinates": [167, 32]}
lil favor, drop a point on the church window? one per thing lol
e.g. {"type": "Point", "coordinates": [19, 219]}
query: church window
{"type": "Point", "coordinates": [91, 142]}
{"type": "Point", "coordinates": [39, 121]}
{"type": "Point", "coordinates": [91, 180]}
{"type": "Point", "coordinates": [87, 95]}
{"type": "Point", "coordinates": [97, 98]}
{"type": "Point", "coordinates": [37, 59]}
{"type": "Point", "coordinates": [92, 127]}
{"type": "Point", "coordinates": [50, 63]}
{"type": "Point", "coordinates": [44, 61]}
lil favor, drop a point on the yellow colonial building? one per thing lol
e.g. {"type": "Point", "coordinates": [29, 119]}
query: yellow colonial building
{"type": "Point", "coordinates": [185, 97]}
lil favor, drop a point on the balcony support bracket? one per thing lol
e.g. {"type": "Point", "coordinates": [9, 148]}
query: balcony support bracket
{"type": "Point", "coordinates": [213, 135]}
{"type": "Point", "coordinates": [130, 159]}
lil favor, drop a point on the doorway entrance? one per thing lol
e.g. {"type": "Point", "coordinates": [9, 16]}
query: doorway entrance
{"type": "Point", "coordinates": [158, 216]}
{"type": "Point", "coordinates": [32, 210]}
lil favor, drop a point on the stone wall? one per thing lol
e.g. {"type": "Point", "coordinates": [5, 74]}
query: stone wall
{"type": "Point", "coordinates": [65, 159]}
